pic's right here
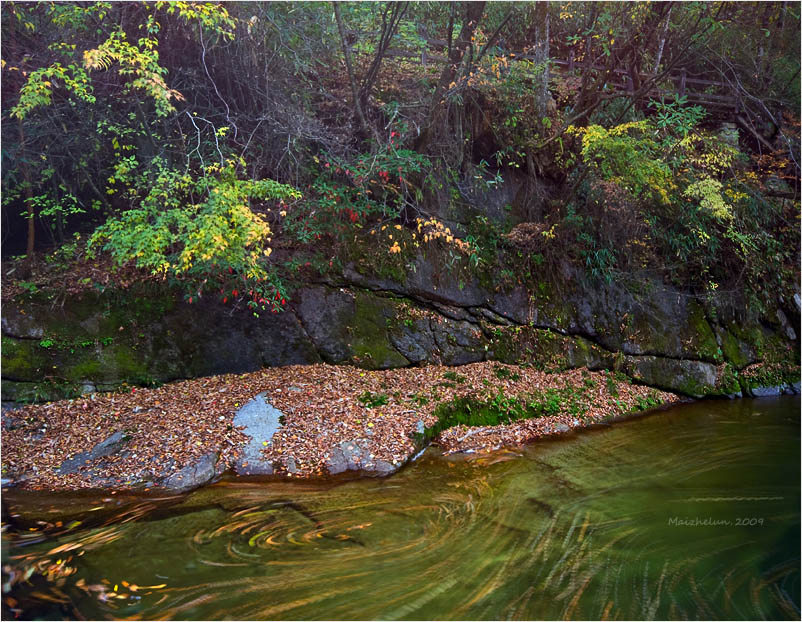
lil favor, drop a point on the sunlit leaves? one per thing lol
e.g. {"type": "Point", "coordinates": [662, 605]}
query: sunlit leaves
{"type": "Point", "coordinates": [38, 89]}
{"type": "Point", "coordinates": [708, 192]}
{"type": "Point", "coordinates": [193, 229]}
{"type": "Point", "coordinates": [140, 62]}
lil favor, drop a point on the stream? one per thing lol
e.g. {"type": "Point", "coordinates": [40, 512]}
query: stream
{"type": "Point", "coordinates": [691, 512]}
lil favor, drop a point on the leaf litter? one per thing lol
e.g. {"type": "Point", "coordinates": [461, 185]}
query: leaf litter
{"type": "Point", "coordinates": [324, 406]}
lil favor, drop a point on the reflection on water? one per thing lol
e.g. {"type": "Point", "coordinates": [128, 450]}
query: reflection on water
{"type": "Point", "coordinates": [690, 513]}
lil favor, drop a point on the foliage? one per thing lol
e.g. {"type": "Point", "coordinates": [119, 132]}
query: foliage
{"type": "Point", "coordinates": [345, 193]}
{"type": "Point", "coordinates": [196, 230]}
{"type": "Point", "coordinates": [373, 400]}
{"type": "Point", "coordinates": [108, 106]}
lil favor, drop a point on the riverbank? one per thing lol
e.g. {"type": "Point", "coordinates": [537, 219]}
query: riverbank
{"type": "Point", "coordinates": [329, 419]}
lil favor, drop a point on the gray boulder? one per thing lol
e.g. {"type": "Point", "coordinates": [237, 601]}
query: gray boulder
{"type": "Point", "coordinates": [766, 391]}
{"type": "Point", "coordinates": [350, 456]}
{"type": "Point", "coordinates": [194, 475]}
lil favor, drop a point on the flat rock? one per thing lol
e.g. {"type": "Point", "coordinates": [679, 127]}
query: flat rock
{"type": "Point", "coordinates": [111, 445]}
{"type": "Point", "coordinates": [261, 421]}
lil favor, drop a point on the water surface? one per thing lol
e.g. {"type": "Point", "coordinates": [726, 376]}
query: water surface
{"type": "Point", "coordinates": [691, 512]}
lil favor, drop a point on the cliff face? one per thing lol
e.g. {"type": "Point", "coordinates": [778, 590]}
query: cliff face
{"type": "Point", "coordinates": [657, 335]}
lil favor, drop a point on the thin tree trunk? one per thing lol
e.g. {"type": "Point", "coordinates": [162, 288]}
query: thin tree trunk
{"type": "Point", "coordinates": [363, 126]}
{"type": "Point", "coordinates": [28, 192]}
{"type": "Point", "coordinates": [541, 57]}
{"type": "Point", "coordinates": [395, 11]}
{"type": "Point", "coordinates": [661, 45]}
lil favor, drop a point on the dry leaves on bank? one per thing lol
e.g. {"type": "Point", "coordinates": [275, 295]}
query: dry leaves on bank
{"type": "Point", "coordinates": [171, 426]}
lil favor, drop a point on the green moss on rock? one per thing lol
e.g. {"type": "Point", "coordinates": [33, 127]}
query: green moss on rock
{"type": "Point", "coordinates": [369, 339]}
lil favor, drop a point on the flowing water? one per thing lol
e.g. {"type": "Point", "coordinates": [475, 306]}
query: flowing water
{"type": "Point", "coordinates": [692, 512]}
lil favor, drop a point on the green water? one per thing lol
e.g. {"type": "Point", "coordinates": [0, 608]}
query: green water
{"type": "Point", "coordinates": [600, 524]}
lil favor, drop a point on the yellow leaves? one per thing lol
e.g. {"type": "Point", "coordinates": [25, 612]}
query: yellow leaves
{"type": "Point", "coordinates": [395, 248]}
{"type": "Point", "coordinates": [283, 212]}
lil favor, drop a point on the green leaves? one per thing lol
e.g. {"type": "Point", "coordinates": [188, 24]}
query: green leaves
{"type": "Point", "coordinates": [38, 89]}
{"type": "Point", "coordinates": [139, 62]}
{"type": "Point", "coordinates": [197, 231]}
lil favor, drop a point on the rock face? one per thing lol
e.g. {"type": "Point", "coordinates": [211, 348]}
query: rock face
{"type": "Point", "coordinates": [660, 336]}
{"type": "Point", "coordinates": [261, 421]}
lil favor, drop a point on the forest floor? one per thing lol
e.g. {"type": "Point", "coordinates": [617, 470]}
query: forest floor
{"type": "Point", "coordinates": [323, 406]}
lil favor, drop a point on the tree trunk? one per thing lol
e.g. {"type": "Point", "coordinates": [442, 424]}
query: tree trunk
{"type": "Point", "coordinates": [541, 58]}
{"type": "Point", "coordinates": [474, 11]}
{"type": "Point", "coordinates": [662, 42]}
{"type": "Point", "coordinates": [363, 126]}
{"type": "Point", "coordinates": [27, 267]}
{"type": "Point", "coordinates": [392, 16]}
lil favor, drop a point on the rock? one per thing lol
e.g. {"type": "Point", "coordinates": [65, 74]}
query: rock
{"type": "Point", "coordinates": [291, 466]}
{"type": "Point", "coordinates": [111, 445]}
{"type": "Point", "coordinates": [350, 327]}
{"type": "Point", "coordinates": [795, 387]}
{"type": "Point", "coordinates": [350, 456]}
{"type": "Point", "coordinates": [766, 391]}
{"type": "Point", "coordinates": [261, 422]}
{"type": "Point", "coordinates": [21, 325]}
{"type": "Point", "coordinates": [383, 467]}
{"type": "Point", "coordinates": [200, 472]}
{"type": "Point", "coordinates": [693, 378]}
{"type": "Point", "coordinates": [561, 428]}
{"type": "Point", "coordinates": [88, 388]}
{"type": "Point", "coordinates": [458, 342]}
{"type": "Point", "coordinates": [786, 325]}
{"type": "Point", "coordinates": [12, 423]}
{"type": "Point", "coordinates": [419, 427]}
{"type": "Point", "coordinates": [415, 342]}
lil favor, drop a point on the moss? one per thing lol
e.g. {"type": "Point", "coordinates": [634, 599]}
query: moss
{"type": "Point", "coordinates": [751, 335]}
{"type": "Point", "coordinates": [733, 350]}
{"type": "Point", "coordinates": [704, 340]}
{"type": "Point", "coordinates": [728, 381]}
{"type": "Point", "coordinates": [769, 375]}
{"type": "Point", "coordinates": [369, 340]}
{"type": "Point", "coordinates": [43, 391]}
{"type": "Point", "coordinates": [25, 359]}
{"type": "Point", "coordinates": [90, 369]}
{"type": "Point", "coordinates": [545, 349]}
